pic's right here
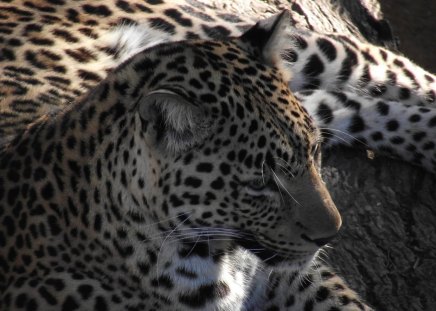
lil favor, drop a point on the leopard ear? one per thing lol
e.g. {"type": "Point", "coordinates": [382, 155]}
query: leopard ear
{"type": "Point", "coordinates": [268, 38]}
{"type": "Point", "coordinates": [172, 122]}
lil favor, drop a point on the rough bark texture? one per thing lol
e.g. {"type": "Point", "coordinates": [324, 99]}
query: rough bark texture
{"type": "Point", "coordinates": [386, 249]}
{"type": "Point", "coordinates": [413, 24]}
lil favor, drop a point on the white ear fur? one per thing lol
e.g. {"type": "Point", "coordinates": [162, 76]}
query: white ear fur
{"type": "Point", "coordinates": [277, 42]}
{"type": "Point", "coordinates": [269, 38]}
{"type": "Point", "coordinates": [178, 124]}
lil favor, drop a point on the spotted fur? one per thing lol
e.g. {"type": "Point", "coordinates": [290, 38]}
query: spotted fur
{"type": "Point", "coordinates": [55, 51]}
{"type": "Point", "coordinates": [140, 174]}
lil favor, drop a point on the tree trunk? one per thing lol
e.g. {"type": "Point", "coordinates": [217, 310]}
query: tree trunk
{"type": "Point", "coordinates": [386, 250]}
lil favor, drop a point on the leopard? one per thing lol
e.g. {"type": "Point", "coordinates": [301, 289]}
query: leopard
{"type": "Point", "coordinates": [110, 201]}
{"type": "Point", "coordinates": [147, 193]}
{"type": "Point", "coordinates": [359, 94]}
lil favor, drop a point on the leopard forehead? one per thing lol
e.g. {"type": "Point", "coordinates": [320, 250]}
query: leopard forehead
{"type": "Point", "coordinates": [232, 85]}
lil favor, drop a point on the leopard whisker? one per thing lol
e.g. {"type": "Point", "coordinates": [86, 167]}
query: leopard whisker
{"type": "Point", "coordinates": [336, 136]}
{"type": "Point", "coordinates": [192, 248]}
{"type": "Point", "coordinates": [273, 256]}
{"type": "Point", "coordinates": [346, 134]}
{"type": "Point", "coordinates": [194, 235]}
{"type": "Point", "coordinates": [160, 249]}
{"type": "Point", "coordinates": [277, 179]}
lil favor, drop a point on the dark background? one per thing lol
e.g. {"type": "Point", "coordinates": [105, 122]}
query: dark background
{"type": "Point", "coordinates": [414, 24]}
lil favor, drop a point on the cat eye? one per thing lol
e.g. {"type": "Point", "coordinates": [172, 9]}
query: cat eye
{"type": "Point", "coordinates": [259, 187]}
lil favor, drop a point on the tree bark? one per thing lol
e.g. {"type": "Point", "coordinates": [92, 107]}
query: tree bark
{"type": "Point", "coordinates": [386, 249]}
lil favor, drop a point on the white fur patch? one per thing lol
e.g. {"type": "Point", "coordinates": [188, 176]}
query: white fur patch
{"type": "Point", "coordinates": [128, 40]}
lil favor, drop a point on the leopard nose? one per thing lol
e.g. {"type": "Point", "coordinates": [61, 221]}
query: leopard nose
{"type": "Point", "coordinates": [319, 241]}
